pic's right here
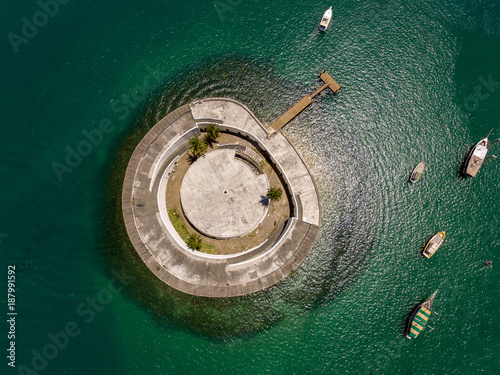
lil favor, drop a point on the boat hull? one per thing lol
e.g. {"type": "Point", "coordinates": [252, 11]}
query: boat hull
{"type": "Point", "coordinates": [476, 157]}
{"type": "Point", "coordinates": [325, 20]}
{"type": "Point", "coordinates": [419, 318]}
{"type": "Point", "coordinates": [433, 245]}
{"type": "Point", "coordinates": [417, 172]}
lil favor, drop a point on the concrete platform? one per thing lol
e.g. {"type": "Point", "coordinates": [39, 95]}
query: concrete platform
{"type": "Point", "coordinates": [160, 247]}
{"type": "Point", "coordinates": [222, 197]}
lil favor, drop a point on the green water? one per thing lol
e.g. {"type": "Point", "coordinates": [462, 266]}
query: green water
{"type": "Point", "coordinates": [409, 72]}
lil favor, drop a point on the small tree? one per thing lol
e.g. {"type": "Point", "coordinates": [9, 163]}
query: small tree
{"type": "Point", "coordinates": [212, 133]}
{"type": "Point", "coordinates": [274, 194]}
{"type": "Point", "coordinates": [194, 242]}
{"type": "Point", "coordinates": [197, 146]}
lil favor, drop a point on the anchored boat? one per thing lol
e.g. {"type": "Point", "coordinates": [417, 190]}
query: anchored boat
{"type": "Point", "coordinates": [325, 21]}
{"type": "Point", "coordinates": [417, 172]}
{"type": "Point", "coordinates": [476, 158]}
{"type": "Point", "coordinates": [433, 244]}
{"type": "Point", "coordinates": [419, 318]}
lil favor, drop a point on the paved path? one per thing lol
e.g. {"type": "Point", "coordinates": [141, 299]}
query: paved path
{"type": "Point", "coordinates": [161, 249]}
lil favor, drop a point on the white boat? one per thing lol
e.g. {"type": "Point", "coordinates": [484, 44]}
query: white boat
{"type": "Point", "coordinates": [434, 243]}
{"type": "Point", "coordinates": [325, 21]}
{"type": "Point", "coordinates": [417, 172]}
{"type": "Point", "coordinates": [476, 158]}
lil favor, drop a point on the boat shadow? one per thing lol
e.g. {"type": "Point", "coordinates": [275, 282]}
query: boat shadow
{"type": "Point", "coordinates": [421, 246]}
{"type": "Point", "coordinates": [460, 173]}
{"type": "Point", "coordinates": [409, 315]}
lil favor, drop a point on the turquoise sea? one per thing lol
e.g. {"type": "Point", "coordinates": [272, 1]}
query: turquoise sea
{"type": "Point", "coordinates": [421, 80]}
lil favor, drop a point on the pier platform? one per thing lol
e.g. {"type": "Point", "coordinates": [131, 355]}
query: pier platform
{"type": "Point", "coordinates": [306, 101]}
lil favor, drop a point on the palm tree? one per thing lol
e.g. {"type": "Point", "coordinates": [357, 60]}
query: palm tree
{"type": "Point", "coordinates": [197, 146]}
{"type": "Point", "coordinates": [212, 133]}
{"type": "Point", "coordinates": [194, 242]}
{"type": "Point", "coordinates": [274, 194]}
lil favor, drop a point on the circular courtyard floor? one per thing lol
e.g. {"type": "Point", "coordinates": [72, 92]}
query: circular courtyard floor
{"type": "Point", "coordinates": [222, 196]}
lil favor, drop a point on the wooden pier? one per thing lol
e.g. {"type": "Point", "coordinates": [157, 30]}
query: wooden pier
{"type": "Point", "coordinates": [306, 101]}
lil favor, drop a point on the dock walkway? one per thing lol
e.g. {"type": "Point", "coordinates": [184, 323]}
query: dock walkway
{"type": "Point", "coordinates": [306, 101]}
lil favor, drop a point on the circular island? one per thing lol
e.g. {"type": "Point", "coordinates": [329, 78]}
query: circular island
{"type": "Point", "coordinates": [169, 196]}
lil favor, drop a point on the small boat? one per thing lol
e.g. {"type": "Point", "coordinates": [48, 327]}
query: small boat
{"type": "Point", "coordinates": [419, 318]}
{"type": "Point", "coordinates": [476, 157]}
{"type": "Point", "coordinates": [417, 172]}
{"type": "Point", "coordinates": [325, 21]}
{"type": "Point", "coordinates": [433, 244]}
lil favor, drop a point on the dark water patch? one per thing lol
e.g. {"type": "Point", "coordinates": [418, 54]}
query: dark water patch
{"type": "Point", "coordinates": [249, 80]}
{"type": "Point", "coordinates": [478, 85]}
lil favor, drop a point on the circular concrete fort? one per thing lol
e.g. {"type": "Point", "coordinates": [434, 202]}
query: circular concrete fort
{"type": "Point", "coordinates": [222, 197]}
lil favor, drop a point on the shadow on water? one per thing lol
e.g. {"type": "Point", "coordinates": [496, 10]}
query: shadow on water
{"type": "Point", "coordinates": [351, 246]}
{"type": "Point", "coordinates": [256, 84]}
{"type": "Point", "coordinates": [406, 322]}
{"type": "Point", "coordinates": [460, 172]}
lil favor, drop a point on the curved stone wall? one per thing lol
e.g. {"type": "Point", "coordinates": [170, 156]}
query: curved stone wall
{"type": "Point", "coordinates": [161, 248]}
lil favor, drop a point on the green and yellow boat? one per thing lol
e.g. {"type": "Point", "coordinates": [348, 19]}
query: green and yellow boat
{"type": "Point", "coordinates": [420, 316]}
